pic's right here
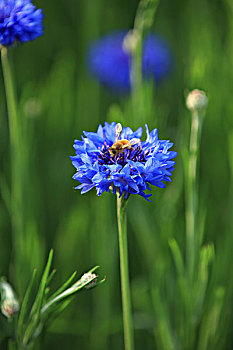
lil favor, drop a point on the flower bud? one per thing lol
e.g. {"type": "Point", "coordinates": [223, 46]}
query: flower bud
{"type": "Point", "coordinates": [130, 41]}
{"type": "Point", "coordinates": [89, 277]}
{"type": "Point", "coordinates": [118, 128]}
{"type": "Point", "coordinates": [9, 303]}
{"type": "Point", "coordinates": [197, 100]}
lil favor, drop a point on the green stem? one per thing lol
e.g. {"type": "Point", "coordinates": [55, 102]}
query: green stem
{"type": "Point", "coordinates": [14, 129]}
{"type": "Point", "coordinates": [125, 289]}
{"type": "Point", "coordinates": [11, 101]}
{"type": "Point", "coordinates": [143, 21]}
{"type": "Point", "coordinates": [16, 155]}
{"type": "Point", "coordinates": [192, 195]}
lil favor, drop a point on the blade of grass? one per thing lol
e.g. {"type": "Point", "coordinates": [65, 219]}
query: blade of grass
{"type": "Point", "coordinates": [25, 306]}
{"type": "Point", "coordinates": [35, 312]}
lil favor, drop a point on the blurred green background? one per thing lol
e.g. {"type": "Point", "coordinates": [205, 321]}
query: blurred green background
{"type": "Point", "coordinates": [58, 99]}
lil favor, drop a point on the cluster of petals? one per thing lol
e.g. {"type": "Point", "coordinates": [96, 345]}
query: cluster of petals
{"type": "Point", "coordinates": [110, 62]}
{"type": "Point", "coordinates": [131, 172]}
{"type": "Point", "coordinates": [20, 21]}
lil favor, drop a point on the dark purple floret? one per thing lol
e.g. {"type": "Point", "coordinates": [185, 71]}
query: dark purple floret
{"type": "Point", "coordinates": [135, 154]}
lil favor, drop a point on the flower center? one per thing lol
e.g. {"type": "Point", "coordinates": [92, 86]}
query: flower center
{"type": "Point", "coordinates": [107, 156]}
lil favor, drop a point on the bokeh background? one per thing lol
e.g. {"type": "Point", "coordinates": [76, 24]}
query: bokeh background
{"type": "Point", "coordinates": [58, 99]}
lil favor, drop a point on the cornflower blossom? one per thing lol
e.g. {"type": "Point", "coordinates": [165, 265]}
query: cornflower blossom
{"type": "Point", "coordinates": [115, 159]}
{"type": "Point", "coordinates": [110, 62]}
{"type": "Point", "coordinates": [20, 21]}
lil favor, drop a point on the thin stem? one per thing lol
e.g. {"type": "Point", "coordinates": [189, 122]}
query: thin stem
{"type": "Point", "coordinates": [143, 21]}
{"type": "Point", "coordinates": [191, 194]}
{"type": "Point", "coordinates": [14, 132]}
{"type": "Point", "coordinates": [125, 289]}
{"type": "Point", "coordinates": [27, 247]}
{"type": "Point", "coordinates": [16, 156]}
{"type": "Point", "coordinates": [10, 97]}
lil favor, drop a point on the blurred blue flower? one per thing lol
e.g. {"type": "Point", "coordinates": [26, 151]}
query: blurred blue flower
{"type": "Point", "coordinates": [20, 21]}
{"type": "Point", "coordinates": [110, 62]}
{"type": "Point", "coordinates": [116, 159]}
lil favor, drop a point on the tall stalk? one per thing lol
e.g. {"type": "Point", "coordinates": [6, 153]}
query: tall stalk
{"type": "Point", "coordinates": [125, 288]}
{"type": "Point", "coordinates": [196, 102]}
{"type": "Point", "coordinates": [133, 44]}
{"type": "Point", "coordinates": [143, 21]}
{"type": "Point", "coordinates": [16, 156]}
{"type": "Point", "coordinates": [191, 194]}
{"type": "Point", "coordinates": [15, 137]}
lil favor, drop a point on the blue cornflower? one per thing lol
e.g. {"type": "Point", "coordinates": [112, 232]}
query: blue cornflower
{"type": "Point", "coordinates": [110, 62]}
{"type": "Point", "coordinates": [20, 21]}
{"type": "Point", "coordinates": [115, 159]}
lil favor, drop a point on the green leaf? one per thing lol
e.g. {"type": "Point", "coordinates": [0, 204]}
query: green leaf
{"type": "Point", "coordinates": [25, 306]}
{"type": "Point", "coordinates": [56, 312]}
{"type": "Point", "coordinates": [36, 308]}
{"type": "Point", "coordinates": [50, 277]}
{"type": "Point", "coordinates": [162, 330]}
{"type": "Point", "coordinates": [206, 257]}
{"type": "Point", "coordinates": [5, 193]}
{"type": "Point", "coordinates": [177, 256]}
{"type": "Point", "coordinates": [51, 305]}
{"type": "Point", "coordinates": [210, 321]}
{"type": "Point", "coordinates": [63, 287]}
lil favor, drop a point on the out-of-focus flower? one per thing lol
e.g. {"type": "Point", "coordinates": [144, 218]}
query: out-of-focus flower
{"type": "Point", "coordinates": [9, 303]}
{"type": "Point", "coordinates": [115, 159]}
{"type": "Point", "coordinates": [109, 59]}
{"type": "Point", "coordinates": [20, 21]}
{"type": "Point", "coordinates": [197, 100]}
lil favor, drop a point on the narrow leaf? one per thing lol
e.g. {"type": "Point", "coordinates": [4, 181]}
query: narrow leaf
{"type": "Point", "coordinates": [211, 320]}
{"type": "Point", "coordinates": [25, 306]}
{"type": "Point", "coordinates": [35, 312]}
{"type": "Point", "coordinates": [80, 284]}
{"type": "Point", "coordinates": [177, 257]}
{"type": "Point", "coordinates": [50, 277]}
{"type": "Point", "coordinates": [63, 287]}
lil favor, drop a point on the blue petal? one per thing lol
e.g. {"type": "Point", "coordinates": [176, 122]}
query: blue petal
{"type": "Point", "coordinates": [95, 138]}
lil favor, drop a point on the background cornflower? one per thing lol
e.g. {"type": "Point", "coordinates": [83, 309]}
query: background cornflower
{"type": "Point", "coordinates": [107, 163]}
{"type": "Point", "coordinates": [20, 21]}
{"type": "Point", "coordinates": [110, 60]}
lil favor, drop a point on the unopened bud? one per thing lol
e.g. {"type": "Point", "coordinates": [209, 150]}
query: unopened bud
{"type": "Point", "coordinates": [9, 303]}
{"type": "Point", "coordinates": [89, 277]}
{"type": "Point", "coordinates": [130, 41]}
{"type": "Point", "coordinates": [197, 100]}
{"type": "Point", "coordinates": [118, 128]}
